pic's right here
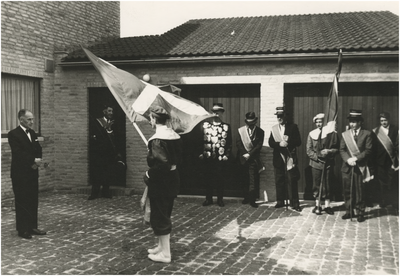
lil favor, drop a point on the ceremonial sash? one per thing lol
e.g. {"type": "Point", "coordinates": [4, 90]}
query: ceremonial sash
{"type": "Point", "coordinates": [354, 151]}
{"type": "Point", "coordinates": [278, 138]}
{"type": "Point", "coordinates": [244, 135]}
{"type": "Point", "coordinates": [388, 145]}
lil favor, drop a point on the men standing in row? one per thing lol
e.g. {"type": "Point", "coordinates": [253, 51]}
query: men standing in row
{"type": "Point", "coordinates": [216, 151]}
{"type": "Point", "coordinates": [355, 150]}
{"type": "Point", "coordinates": [386, 161]}
{"type": "Point", "coordinates": [322, 151]}
{"type": "Point", "coordinates": [249, 143]}
{"type": "Point", "coordinates": [284, 139]}
{"type": "Point", "coordinates": [26, 154]}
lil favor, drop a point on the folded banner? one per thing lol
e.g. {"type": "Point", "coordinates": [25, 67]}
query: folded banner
{"type": "Point", "coordinates": [136, 97]}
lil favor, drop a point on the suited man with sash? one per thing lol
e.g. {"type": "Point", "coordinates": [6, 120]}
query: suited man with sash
{"type": "Point", "coordinates": [284, 139]}
{"type": "Point", "coordinates": [249, 144]}
{"type": "Point", "coordinates": [103, 153]}
{"type": "Point", "coordinates": [355, 150]}
{"type": "Point", "coordinates": [387, 160]}
{"type": "Point", "coordinates": [26, 158]}
{"type": "Point", "coordinates": [322, 161]}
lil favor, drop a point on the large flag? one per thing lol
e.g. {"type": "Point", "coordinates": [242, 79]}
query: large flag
{"type": "Point", "coordinates": [136, 97]}
{"type": "Point", "coordinates": [331, 112]}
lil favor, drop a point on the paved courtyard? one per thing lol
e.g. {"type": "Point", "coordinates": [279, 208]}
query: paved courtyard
{"type": "Point", "coordinates": [107, 236]}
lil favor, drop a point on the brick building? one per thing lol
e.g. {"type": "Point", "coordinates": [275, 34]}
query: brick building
{"type": "Point", "coordinates": [34, 35]}
{"type": "Point", "coordinates": [254, 63]}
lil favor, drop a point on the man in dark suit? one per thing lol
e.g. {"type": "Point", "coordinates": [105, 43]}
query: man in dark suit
{"type": "Point", "coordinates": [249, 143]}
{"type": "Point", "coordinates": [103, 153]}
{"type": "Point", "coordinates": [284, 139]}
{"type": "Point", "coordinates": [26, 155]}
{"type": "Point", "coordinates": [387, 160]}
{"type": "Point", "coordinates": [355, 150]}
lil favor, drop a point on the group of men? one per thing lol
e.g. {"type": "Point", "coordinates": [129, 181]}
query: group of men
{"type": "Point", "coordinates": [365, 154]}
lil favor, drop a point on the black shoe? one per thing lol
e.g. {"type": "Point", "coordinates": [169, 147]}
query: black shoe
{"type": "Point", "coordinates": [245, 201]}
{"type": "Point", "coordinates": [369, 204]}
{"type": "Point", "coordinates": [297, 208]}
{"type": "Point", "coordinates": [220, 203]}
{"type": "Point", "coordinates": [360, 218]}
{"type": "Point", "coordinates": [107, 196]}
{"type": "Point", "coordinates": [382, 205]}
{"type": "Point", "coordinates": [207, 202]}
{"type": "Point", "coordinates": [329, 211]}
{"type": "Point", "coordinates": [279, 205]}
{"type": "Point", "coordinates": [317, 210]}
{"type": "Point", "coordinates": [25, 235]}
{"type": "Point", "coordinates": [253, 204]}
{"type": "Point", "coordinates": [347, 216]}
{"type": "Point", "coordinates": [38, 232]}
{"type": "Point", "coordinates": [91, 197]}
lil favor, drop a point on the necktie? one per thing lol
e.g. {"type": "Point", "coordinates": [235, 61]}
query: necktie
{"type": "Point", "coordinates": [355, 135]}
{"type": "Point", "coordinates": [27, 133]}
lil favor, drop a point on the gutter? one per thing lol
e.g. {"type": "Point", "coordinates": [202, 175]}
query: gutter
{"type": "Point", "coordinates": [245, 58]}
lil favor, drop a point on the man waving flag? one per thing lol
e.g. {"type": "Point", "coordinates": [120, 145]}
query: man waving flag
{"type": "Point", "coordinates": [136, 97]}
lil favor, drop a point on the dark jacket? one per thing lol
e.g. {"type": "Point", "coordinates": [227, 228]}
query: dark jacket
{"type": "Point", "coordinates": [257, 141]}
{"type": "Point", "coordinates": [364, 143]}
{"type": "Point", "coordinates": [292, 131]}
{"type": "Point", "coordinates": [161, 157]}
{"type": "Point", "coordinates": [381, 157]}
{"type": "Point", "coordinates": [23, 153]}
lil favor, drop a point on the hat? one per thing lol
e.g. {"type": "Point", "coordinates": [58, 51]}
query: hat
{"type": "Point", "coordinates": [251, 117]}
{"type": "Point", "coordinates": [159, 112]}
{"type": "Point", "coordinates": [385, 115]}
{"type": "Point", "coordinates": [218, 107]}
{"type": "Point", "coordinates": [355, 114]}
{"type": "Point", "coordinates": [280, 111]}
{"type": "Point", "coordinates": [318, 116]}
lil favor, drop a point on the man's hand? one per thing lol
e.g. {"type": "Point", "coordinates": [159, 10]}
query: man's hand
{"type": "Point", "coordinates": [283, 144]}
{"type": "Point", "coordinates": [352, 161]}
{"type": "Point", "coordinates": [38, 161]}
{"type": "Point", "coordinates": [246, 156]}
{"type": "Point", "coordinates": [324, 152]}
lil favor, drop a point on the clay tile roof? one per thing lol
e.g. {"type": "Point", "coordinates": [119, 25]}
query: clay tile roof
{"type": "Point", "coordinates": [309, 33]}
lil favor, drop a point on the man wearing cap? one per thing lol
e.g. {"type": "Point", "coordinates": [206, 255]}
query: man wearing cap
{"type": "Point", "coordinates": [284, 139]}
{"type": "Point", "coordinates": [387, 160]}
{"type": "Point", "coordinates": [355, 150]}
{"type": "Point", "coordinates": [162, 179]}
{"type": "Point", "coordinates": [322, 151]}
{"type": "Point", "coordinates": [216, 152]}
{"type": "Point", "coordinates": [249, 143]}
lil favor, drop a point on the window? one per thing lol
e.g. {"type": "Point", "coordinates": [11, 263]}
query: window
{"type": "Point", "coordinates": [18, 92]}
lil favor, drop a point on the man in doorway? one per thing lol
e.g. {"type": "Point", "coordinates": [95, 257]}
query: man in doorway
{"type": "Point", "coordinates": [26, 158]}
{"type": "Point", "coordinates": [284, 139]}
{"type": "Point", "coordinates": [355, 150]}
{"type": "Point", "coordinates": [103, 153]}
{"type": "Point", "coordinates": [216, 153]}
{"type": "Point", "coordinates": [387, 160]}
{"type": "Point", "coordinates": [249, 143]}
{"type": "Point", "coordinates": [322, 151]}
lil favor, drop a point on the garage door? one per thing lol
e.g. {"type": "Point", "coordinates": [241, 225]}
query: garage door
{"type": "Point", "coordinates": [237, 99]}
{"type": "Point", "coordinates": [306, 100]}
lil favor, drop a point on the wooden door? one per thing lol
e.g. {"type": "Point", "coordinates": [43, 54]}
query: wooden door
{"type": "Point", "coordinates": [304, 101]}
{"type": "Point", "coordinates": [237, 99]}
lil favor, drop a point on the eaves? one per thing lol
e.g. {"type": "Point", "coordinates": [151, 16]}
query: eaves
{"type": "Point", "coordinates": [393, 55]}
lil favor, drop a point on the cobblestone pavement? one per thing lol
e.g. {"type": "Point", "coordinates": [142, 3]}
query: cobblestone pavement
{"type": "Point", "coordinates": [107, 236]}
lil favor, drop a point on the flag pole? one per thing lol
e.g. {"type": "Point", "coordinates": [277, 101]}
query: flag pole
{"type": "Point", "coordinates": [140, 133]}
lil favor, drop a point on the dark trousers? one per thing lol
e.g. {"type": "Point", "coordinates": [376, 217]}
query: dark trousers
{"type": "Point", "coordinates": [252, 186]}
{"type": "Point", "coordinates": [160, 214]}
{"type": "Point", "coordinates": [214, 177]}
{"type": "Point", "coordinates": [326, 183]}
{"type": "Point", "coordinates": [286, 187]}
{"type": "Point", "coordinates": [389, 185]}
{"type": "Point", "coordinates": [26, 203]}
{"type": "Point", "coordinates": [356, 198]}
{"type": "Point", "coordinates": [101, 176]}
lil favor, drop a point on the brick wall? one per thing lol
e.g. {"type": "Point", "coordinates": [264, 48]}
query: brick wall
{"type": "Point", "coordinates": [32, 31]}
{"type": "Point", "coordinates": [71, 99]}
